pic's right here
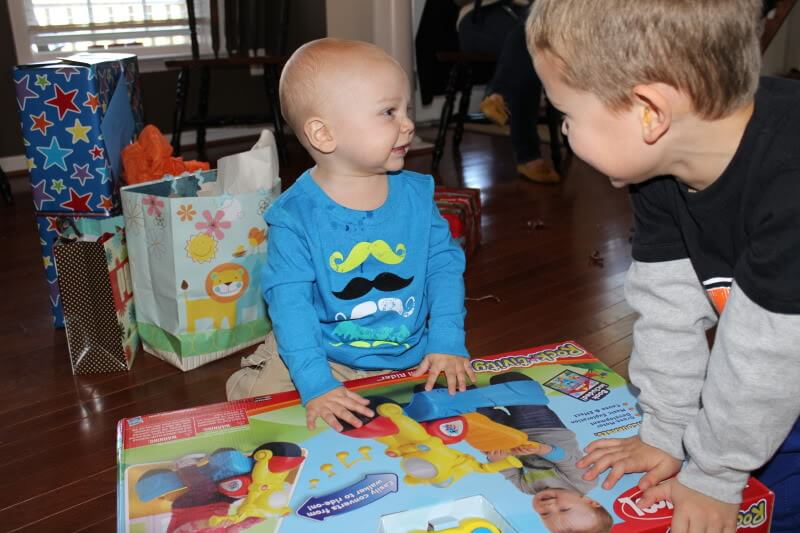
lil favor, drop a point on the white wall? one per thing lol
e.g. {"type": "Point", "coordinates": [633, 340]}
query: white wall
{"type": "Point", "coordinates": [350, 19]}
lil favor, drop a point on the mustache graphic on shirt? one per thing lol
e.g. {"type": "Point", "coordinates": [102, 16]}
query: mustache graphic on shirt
{"type": "Point", "coordinates": [380, 250]}
{"type": "Point", "coordinates": [385, 282]}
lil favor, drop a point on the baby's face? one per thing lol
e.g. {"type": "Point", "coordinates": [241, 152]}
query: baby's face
{"type": "Point", "coordinates": [564, 510]}
{"type": "Point", "coordinates": [368, 115]}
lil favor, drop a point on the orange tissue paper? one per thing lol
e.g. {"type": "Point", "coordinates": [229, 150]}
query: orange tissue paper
{"type": "Point", "coordinates": [150, 158]}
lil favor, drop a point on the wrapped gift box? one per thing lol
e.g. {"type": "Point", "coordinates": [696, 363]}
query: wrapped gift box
{"type": "Point", "coordinates": [76, 116]}
{"type": "Point", "coordinates": [461, 208]}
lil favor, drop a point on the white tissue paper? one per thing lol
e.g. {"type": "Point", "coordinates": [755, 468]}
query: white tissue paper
{"type": "Point", "coordinates": [250, 171]}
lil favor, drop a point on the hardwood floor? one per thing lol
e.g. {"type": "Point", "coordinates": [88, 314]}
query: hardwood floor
{"type": "Point", "coordinates": [58, 431]}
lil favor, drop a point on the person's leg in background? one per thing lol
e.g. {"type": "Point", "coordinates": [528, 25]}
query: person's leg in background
{"type": "Point", "coordinates": [516, 88]}
{"type": "Point", "coordinates": [782, 475]}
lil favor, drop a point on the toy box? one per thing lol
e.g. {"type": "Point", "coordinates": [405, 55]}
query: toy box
{"type": "Point", "coordinates": [76, 115]}
{"type": "Point", "coordinates": [496, 458]}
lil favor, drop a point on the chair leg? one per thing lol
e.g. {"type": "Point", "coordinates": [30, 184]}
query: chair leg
{"type": "Point", "coordinates": [179, 115]}
{"type": "Point", "coordinates": [271, 84]}
{"type": "Point", "coordinates": [205, 89]}
{"type": "Point", "coordinates": [5, 188]}
{"type": "Point", "coordinates": [463, 107]}
{"type": "Point", "coordinates": [447, 115]}
{"type": "Point", "coordinates": [554, 129]}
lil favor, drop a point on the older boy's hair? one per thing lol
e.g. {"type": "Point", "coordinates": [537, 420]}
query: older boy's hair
{"type": "Point", "coordinates": [708, 49]}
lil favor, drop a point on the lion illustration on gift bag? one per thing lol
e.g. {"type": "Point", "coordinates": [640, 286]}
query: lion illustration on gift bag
{"type": "Point", "coordinates": [225, 284]}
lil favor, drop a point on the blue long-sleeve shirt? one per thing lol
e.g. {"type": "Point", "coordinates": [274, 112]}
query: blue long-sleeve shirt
{"type": "Point", "coordinates": [368, 289]}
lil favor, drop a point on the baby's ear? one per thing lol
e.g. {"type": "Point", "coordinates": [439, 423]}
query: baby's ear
{"type": "Point", "coordinates": [319, 135]}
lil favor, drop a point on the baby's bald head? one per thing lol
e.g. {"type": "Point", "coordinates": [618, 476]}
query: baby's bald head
{"type": "Point", "coordinates": [317, 70]}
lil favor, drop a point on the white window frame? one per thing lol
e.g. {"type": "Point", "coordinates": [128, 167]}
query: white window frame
{"type": "Point", "coordinates": [151, 59]}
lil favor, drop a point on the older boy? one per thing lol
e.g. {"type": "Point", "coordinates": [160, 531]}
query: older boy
{"type": "Point", "coordinates": [671, 88]}
{"type": "Point", "coordinates": [361, 273]}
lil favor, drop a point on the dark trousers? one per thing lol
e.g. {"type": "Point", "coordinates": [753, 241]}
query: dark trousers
{"type": "Point", "coordinates": [782, 475]}
{"type": "Point", "coordinates": [500, 30]}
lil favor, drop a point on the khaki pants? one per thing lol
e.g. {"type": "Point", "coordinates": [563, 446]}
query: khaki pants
{"type": "Point", "coordinates": [263, 372]}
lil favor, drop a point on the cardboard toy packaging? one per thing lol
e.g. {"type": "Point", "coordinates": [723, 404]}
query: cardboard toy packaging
{"type": "Point", "coordinates": [498, 457]}
{"type": "Point", "coordinates": [76, 115]}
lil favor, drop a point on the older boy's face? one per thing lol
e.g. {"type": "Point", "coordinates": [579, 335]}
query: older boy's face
{"type": "Point", "coordinates": [368, 108]}
{"type": "Point", "coordinates": [609, 141]}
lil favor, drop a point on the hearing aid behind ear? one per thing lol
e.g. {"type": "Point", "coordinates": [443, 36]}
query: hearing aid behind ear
{"type": "Point", "coordinates": [647, 116]}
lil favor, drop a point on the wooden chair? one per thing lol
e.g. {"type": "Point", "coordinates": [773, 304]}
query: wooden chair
{"type": "Point", "coordinates": [461, 81]}
{"type": "Point", "coordinates": [248, 29]}
{"type": "Point", "coordinates": [5, 188]}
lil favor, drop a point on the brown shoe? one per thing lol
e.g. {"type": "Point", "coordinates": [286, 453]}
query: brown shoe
{"type": "Point", "coordinates": [539, 171]}
{"type": "Point", "coordinates": [495, 109]}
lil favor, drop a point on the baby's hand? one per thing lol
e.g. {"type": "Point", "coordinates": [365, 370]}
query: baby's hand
{"type": "Point", "coordinates": [628, 455]}
{"type": "Point", "coordinates": [337, 404]}
{"type": "Point", "coordinates": [456, 369]}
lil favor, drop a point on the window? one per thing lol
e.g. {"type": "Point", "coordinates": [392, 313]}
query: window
{"type": "Point", "coordinates": [46, 29]}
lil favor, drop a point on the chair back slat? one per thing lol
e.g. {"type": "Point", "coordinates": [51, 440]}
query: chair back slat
{"type": "Point", "coordinates": [214, 21]}
{"type": "Point", "coordinates": [250, 26]}
{"type": "Point", "coordinates": [193, 28]}
{"type": "Point", "coordinates": [231, 25]}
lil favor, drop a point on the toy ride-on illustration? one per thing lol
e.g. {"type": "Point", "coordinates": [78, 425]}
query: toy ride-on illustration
{"type": "Point", "coordinates": [420, 432]}
{"type": "Point", "coordinates": [467, 525]}
{"type": "Point", "coordinates": [215, 483]}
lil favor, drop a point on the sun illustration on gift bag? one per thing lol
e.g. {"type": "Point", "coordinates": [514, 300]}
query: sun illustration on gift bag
{"type": "Point", "coordinates": [201, 248]}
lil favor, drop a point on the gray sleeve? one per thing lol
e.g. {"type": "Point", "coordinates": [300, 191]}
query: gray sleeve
{"type": "Point", "coordinates": [515, 476]}
{"type": "Point", "coordinates": [670, 353]}
{"type": "Point", "coordinates": [750, 398]}
{"type": "Point", "coordinates": [565, 468]}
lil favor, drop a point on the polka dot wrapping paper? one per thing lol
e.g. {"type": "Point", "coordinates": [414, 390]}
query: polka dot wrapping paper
{"type": "Point", "coordinates": [96, 293]}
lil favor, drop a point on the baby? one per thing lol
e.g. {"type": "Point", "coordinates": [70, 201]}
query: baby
{"type": "Point", "coordinates": [362, 276]}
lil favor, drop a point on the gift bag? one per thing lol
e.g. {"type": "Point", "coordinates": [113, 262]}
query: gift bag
{"type": "Point", "coordinates": [54, 226]}
{"type": "Point", "coordinates": [196, 256]}
{"type": "Point", "coordinates": [95, 286]}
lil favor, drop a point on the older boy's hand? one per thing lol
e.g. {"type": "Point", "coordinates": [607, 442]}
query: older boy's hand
{"type": "Point", "coordinates": [456, 369]}
{"type": "Point", "coordinates": [337, 404]}
{"type": "Point", "coordinates": [628, 455]}
{"type": "Point", "coordinates": [694, 512]}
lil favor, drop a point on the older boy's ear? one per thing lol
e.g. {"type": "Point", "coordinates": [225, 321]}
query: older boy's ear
{"type": "Point", "coordinates": [319, 135]}
{"type": "Point", "coordinates": [654, 107]}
